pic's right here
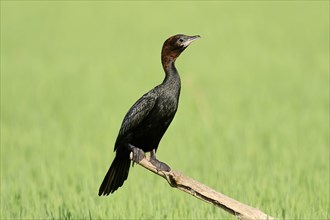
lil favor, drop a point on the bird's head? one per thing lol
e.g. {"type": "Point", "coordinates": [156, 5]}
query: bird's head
{"type": "Point", "coordinates": [174, 46]}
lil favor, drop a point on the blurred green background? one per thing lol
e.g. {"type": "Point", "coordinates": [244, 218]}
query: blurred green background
{"type": "Point", "coordinates": [252, 121]}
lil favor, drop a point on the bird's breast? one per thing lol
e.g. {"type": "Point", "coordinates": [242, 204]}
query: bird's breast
{"type": "Point", "coordinates": [168, 104]}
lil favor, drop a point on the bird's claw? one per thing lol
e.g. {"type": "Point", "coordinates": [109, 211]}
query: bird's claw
{"type": "Point", "coordinates": [138, 154]}
{"type": "Point", "coordinates": [160, 166]}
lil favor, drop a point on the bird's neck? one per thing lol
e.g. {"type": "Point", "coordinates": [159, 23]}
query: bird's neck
{"type": "Point", "coordinates": [172, 78]}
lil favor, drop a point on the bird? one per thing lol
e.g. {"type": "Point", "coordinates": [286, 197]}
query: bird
{"type": "Point", "coordinates": [147, 120]}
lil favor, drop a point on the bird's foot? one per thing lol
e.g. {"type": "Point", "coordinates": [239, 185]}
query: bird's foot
{"type": "Point", "coordinates": [138, 154]}
{"type": "Point", "coordinates": [160, 166]}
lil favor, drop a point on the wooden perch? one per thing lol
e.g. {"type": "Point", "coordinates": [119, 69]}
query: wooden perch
{"type": "Point", "coordinates": [205, 193]}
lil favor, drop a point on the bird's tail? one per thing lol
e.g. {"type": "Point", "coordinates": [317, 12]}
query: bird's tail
{"type": "Point", "coordinates": [116, 175]}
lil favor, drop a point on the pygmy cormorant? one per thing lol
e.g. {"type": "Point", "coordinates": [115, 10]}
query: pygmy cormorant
{"type": "Point", "coordinates": [147, 120]}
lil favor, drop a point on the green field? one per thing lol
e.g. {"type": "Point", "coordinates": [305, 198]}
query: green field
{"type": "Point", "coordinates": [253, 118]}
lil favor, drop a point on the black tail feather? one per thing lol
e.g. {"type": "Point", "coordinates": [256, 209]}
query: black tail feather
{"type": "Point", "coordinates": [116, 175]}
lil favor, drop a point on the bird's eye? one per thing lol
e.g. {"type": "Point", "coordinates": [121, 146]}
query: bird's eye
{"type": "Point", "coordinates": [180, 40]}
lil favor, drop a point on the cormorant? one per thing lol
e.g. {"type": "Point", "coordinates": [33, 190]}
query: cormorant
{"type": "Point", "coordinates": [147, 120]}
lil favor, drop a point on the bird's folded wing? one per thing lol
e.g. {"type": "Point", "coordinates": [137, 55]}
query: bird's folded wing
{"type": "Point", "coordinates": [135, 115]}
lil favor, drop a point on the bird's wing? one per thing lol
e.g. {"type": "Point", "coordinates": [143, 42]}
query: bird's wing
{"type": "Point", "coordinates": [135, 115]}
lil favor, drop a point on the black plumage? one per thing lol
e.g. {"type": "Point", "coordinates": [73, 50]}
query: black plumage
{"type": "Point", "coordinates": [148, 119]}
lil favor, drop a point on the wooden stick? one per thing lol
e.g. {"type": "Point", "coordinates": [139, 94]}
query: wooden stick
{"type": "Point", "coordinates": [205, 193]}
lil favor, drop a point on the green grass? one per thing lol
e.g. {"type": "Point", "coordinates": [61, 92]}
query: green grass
{"type": "Point", "coordinates": [253, 120]}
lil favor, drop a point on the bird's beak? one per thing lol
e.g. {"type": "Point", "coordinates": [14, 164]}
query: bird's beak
{"type": "Point", "coordinates": [190, 39]}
